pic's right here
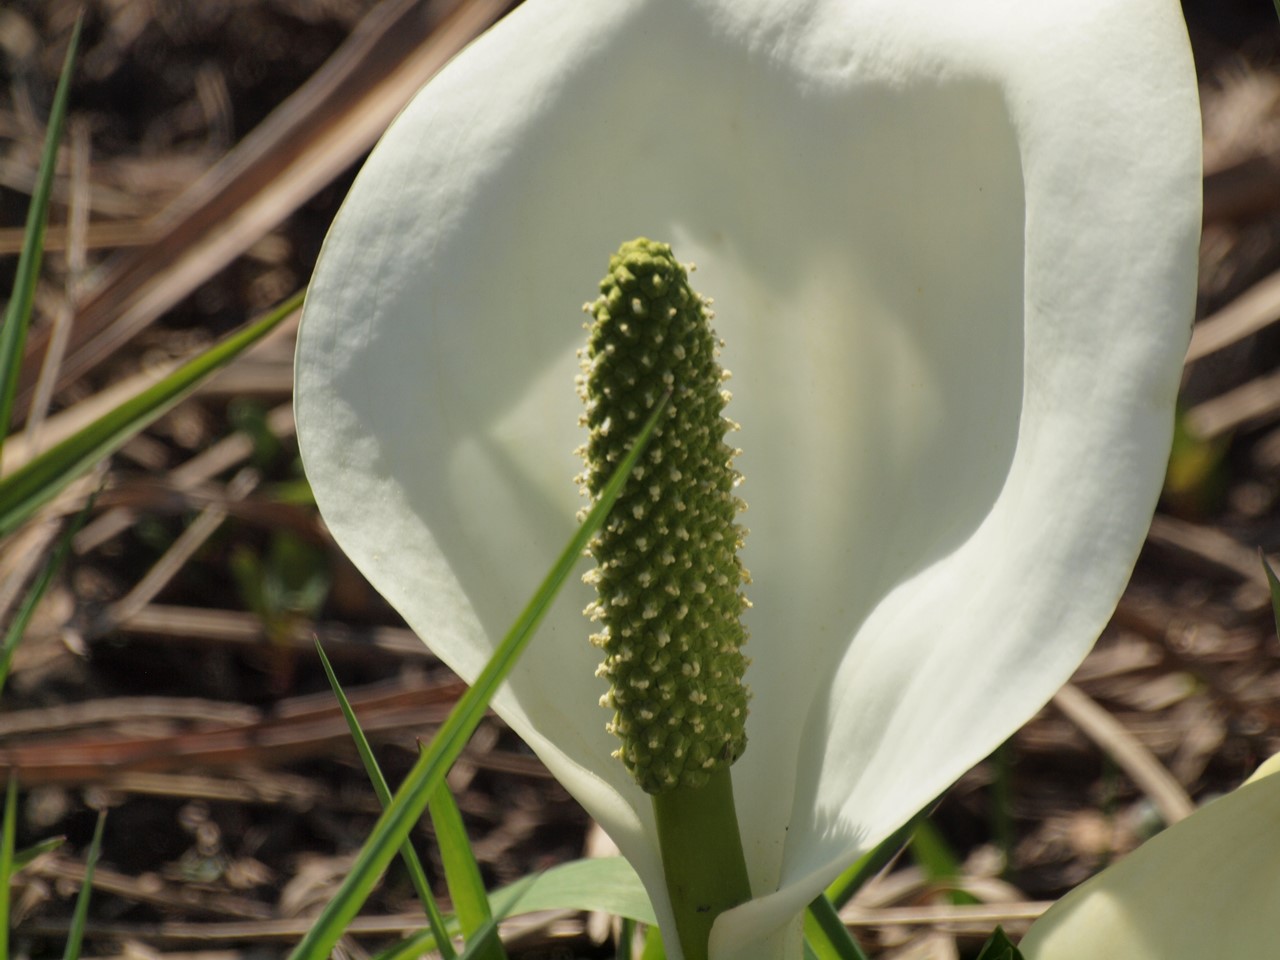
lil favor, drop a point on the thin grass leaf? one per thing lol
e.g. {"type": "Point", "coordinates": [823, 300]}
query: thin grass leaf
{"type": "Point", "coordinates": [1272, 582]}
{"type": "Point", "coordinates": [17, 315]}
{"type": "Point", "coordinates": [626, 934]}
{"type": "Point", "coordinates": [7, 832]}
{"type": "Point", "coordinates": [24, 856]}
{"type": "Point", "coordinates": [410, 948]}
{"type": "Point", "coordinates": [37, 482]}
{"type": "Point", "coordinates": [428, 772]}
{"type": "Point", "coordinates": [825, 934]}
{"type": "Point", "coordinates": [462, 874]}
{"type": "Point", "coordinates": [18, 628]}
{"type": "Point", "coordinates": [75, 936]}
{"type": "Point", "coordinates": [417, 876]}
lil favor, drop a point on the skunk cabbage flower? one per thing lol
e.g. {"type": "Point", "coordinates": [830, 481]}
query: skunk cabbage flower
{"type": "Point", "coordinates": [952, 247]}
{"type": "Point", "coordinates": [1206, 887]}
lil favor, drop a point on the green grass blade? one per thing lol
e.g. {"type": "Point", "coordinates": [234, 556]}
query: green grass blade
{"type": "Point", "coordinates": [7, 832]}
{"type": "Point", "coordinates": [626, 934]}
{"type": "Point", "coordinates": [417, 876]}
{"type": "Point", "coordinates": [18, 627]}
{"type": "Point", "coordinates": [428, 772]}
{"type": "Point", "coordinates": [826, 935]}
{"type": "Point", "coordinates": [462, 873]}
{"type": "Point", "coordinates": [481, 943]}
{"type": "Point", "coordinates": [17, 315]}
{"type": "Point", "coordinates": [75, 936]}
{"type": "Point", "coordinates": [35, 483]}
{"type": "Point", "coordinates": [24, 856]}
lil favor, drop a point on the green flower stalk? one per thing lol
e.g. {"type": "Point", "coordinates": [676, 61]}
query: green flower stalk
{"type": "Point", "coordinates": [668, 578]}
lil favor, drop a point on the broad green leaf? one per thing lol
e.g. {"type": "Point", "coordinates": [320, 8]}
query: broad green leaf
{"type": "Point", "coordinates": [606, 885]}
{"type": "Point", "coordinates": [75, 936]}
{"type": "Point", "coordinates": [417, 876]}
{"type": "Point", "coordinates": [428, 772]}
{"type": "Point", "coordinates": [17, 315]}
{"type": "Point", "coordinates": [603, 885]}
{"type": "Point", "coordinates": [35, 483]}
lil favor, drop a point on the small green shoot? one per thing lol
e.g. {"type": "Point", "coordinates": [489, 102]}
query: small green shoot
{"type": "Point", "coordinates": [999, 947]}
{"type": "Point", "coordinates": [18, 627]}
{"type": "Point", "coordinates": [1195, 480]}
{"type": "Point", "coordinates": [935, 857]}
{"type": "Point", "coordinates": [417, 876]}
{"type": "Point", "coordinates": [1002, 827]}
{"type": "Point", "coordinates": [428, 772]}
{"type": "Point", "coordinates": [24, 856]}
{"type": "Point", "coordinates": [75, 936]}
{"type": "Point", "coordinates": [17, 315]}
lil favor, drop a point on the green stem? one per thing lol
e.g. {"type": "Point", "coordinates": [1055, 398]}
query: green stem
{"type": "Point", "coordinates": [702, 857]}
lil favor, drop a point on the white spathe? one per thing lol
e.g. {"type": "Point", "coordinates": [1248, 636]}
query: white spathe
{"type": "Point", "coordinates": [1206, 887]}
{"type": "Point", "coordinates": [952, 247]}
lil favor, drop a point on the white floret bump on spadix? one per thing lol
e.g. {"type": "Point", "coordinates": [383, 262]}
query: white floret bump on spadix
{"type": "Point", "coordinates": [952, 245]}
